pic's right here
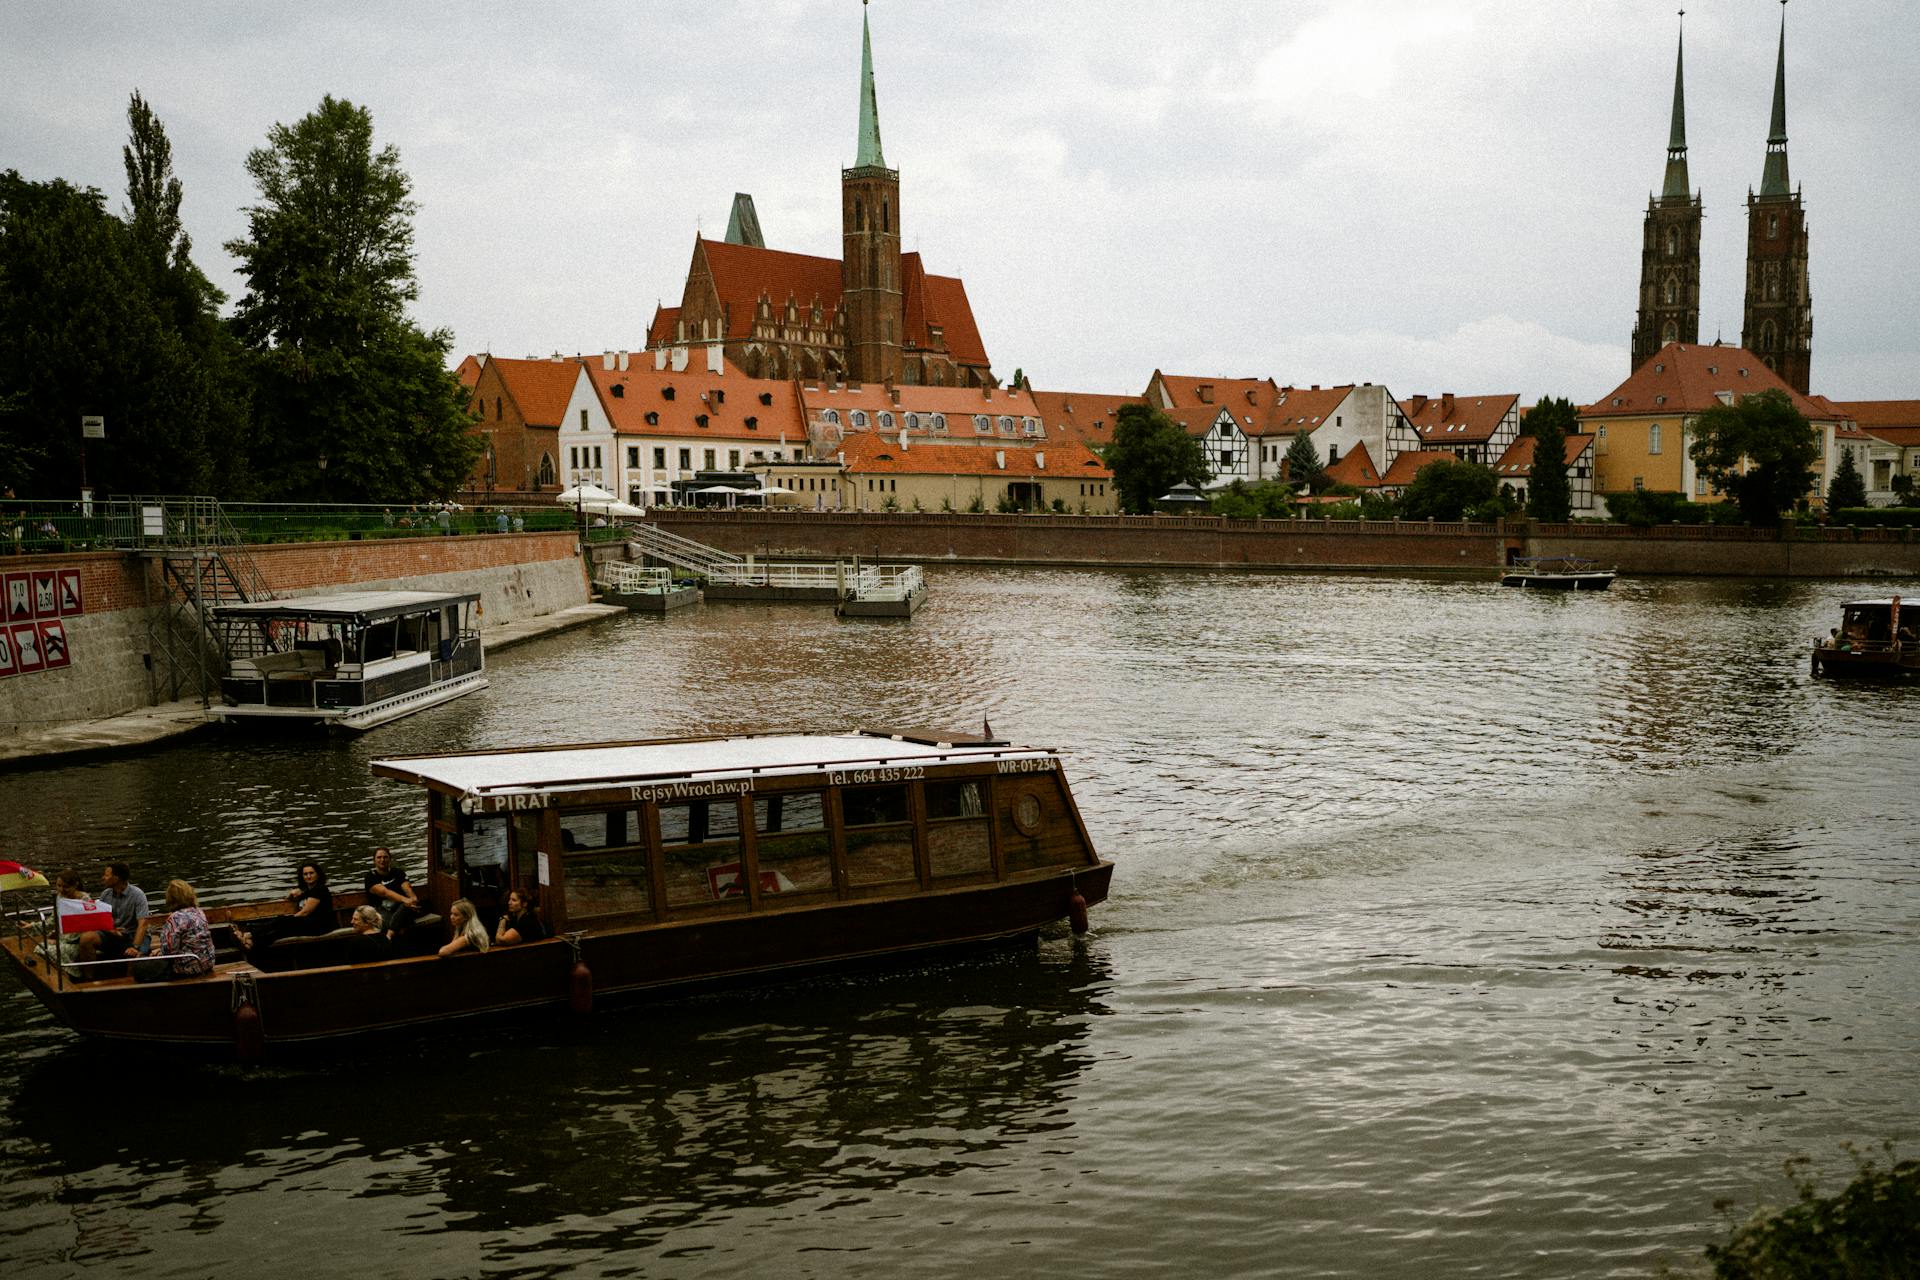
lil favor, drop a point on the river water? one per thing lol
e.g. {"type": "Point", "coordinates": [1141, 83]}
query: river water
{"type": "Point", "coordinates": [1455, 931]}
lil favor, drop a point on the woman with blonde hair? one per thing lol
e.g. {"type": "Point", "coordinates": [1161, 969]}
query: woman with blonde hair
{"type": "Point", "coordinates": [468, 933]}
{"type": "Point", "coordinates": [186, 943]}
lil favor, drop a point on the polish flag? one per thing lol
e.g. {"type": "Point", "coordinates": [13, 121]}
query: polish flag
{"type": "Point", "coordinates": [82, 915]}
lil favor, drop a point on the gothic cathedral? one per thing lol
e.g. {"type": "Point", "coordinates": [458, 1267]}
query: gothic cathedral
{"type": "Point", "coordinates": [1670, 252]}
{"type": "Point", "coordinates": [1778, 325]}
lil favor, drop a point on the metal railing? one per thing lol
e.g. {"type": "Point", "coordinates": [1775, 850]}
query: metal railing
{"type": "Point", "coordinates": [635, 579]}
{"type": "Point", "coordinates": [887, 582]}
{"type": "Point", "coordinates": [657, 544]}
{"type": "Point", "coordinates": [828, 575]}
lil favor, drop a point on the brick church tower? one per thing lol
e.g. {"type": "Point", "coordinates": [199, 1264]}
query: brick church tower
{"type": "Point", "coordinates": [870, 267]}
{"type": "Point", "coordinates": [1779, 314]}
{"type": "Point", "coordinates": [1670, 252]}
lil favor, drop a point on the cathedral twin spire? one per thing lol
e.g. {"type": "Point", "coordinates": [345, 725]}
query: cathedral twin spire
{"type": "Point", "coordinates": [869, 154]}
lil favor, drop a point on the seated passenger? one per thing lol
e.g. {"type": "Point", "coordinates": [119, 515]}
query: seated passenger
{"type": "Point", "coordinates": [186, 943]}
{"type": "Point", "coordinates": [369, 940]}
{"type": "Point", "coordinates": [128, 903]}
{"type": "Point", "coordinates": [468, 933]}
{"type": "Point", "coordinates": [82, 946]}
{"type": "Point", "coordinates": [312, 914]}
{"type": "Point", "coordinates": [391, 894]}
{"type": "Point", "coordinates": [518, 923]}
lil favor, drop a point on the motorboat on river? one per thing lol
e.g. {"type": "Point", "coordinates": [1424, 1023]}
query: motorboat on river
{"type": "Point", "coordinates": [656, 866]}
{"type": "Point", "coordinates": [1871, 640]}
{"type": "Point", "coordinates": [1557, 573]}
{"type": "Point", "coordinates": [349, 661]}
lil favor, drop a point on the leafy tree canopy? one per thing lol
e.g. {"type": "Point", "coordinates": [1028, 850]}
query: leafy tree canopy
{"type": "Point", "coordinates": [1549, 494]}
{"type": "Point", "coordinates": [1243, 501]}
{"type": "Point", "coordinates": [1867, 1230]}
{"type": "Point", "coordinates": [1448, 490]}
{"type": "Point", "coordinates": [1303, 465]}
{"type": "Point", "coordinates": [355, 402]}
{"type": "Point", "coordinates": [1150, 454]}
{"type": "Point", "coordinates": [1759, 451]}
{"type": "Point", "coordinates": [1849, 488]}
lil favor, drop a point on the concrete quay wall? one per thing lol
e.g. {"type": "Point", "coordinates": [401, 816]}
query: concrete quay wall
{"type": "Point", "coordinates": [1210, 542]}
{"type": "Point", "coordinates": [518, 576]}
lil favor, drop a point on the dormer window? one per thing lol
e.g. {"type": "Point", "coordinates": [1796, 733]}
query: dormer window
{"type": "Point", "coordinates": [859, 418]}
{"type": "Point", "coordinates": [766, 397]}
{"type": "Point", "coordinates": [719, 395]}
{"type": "Point", "coordinates": [886, 422]}
{"type": "Point", "coordinates": [666, 393]}
{"type": "Point", "coordinates": [753, 424]}
{"type": "Point", "coordinates": [653, 419]}
{"type": "Point", "coordinates": [982, 423]}
{"type": "Point", "coordinates": [699, 419]}
{"type": "Point", "coordinates": [619, 391]}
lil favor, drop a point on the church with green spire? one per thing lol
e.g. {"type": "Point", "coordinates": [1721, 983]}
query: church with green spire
{"type": "Point", "coordinates": [874, 315]}
{"type": "Point", "coordinates": [1670, 244]}
{"type": "Point", "coordinates": [1778, 323]}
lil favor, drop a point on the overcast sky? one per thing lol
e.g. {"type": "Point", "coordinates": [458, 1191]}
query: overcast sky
{"type": "Point", "coordinates": [1442, 195]}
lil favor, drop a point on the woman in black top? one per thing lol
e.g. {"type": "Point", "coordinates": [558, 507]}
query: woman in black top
{"type": "Point", "coordinates": [518, 923]}
{"type": "Point", "coordinates": [312, 913]}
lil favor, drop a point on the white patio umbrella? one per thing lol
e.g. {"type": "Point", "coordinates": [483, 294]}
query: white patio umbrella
{"type": "Point", "coordinates": [774, 489]}
{"type": "Point", "coordinates": [616, 509]}
{"type": "Point", "coordinates": [584, 493]}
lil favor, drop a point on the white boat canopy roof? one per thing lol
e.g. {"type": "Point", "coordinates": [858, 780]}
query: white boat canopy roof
{"type": "Point", "coordinates": [616, 764]}
{"type": "Point", "coordinates": [346, 606]}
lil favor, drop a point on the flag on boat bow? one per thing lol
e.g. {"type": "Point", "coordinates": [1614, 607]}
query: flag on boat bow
{"type": "Point", "coordinates": [82, 915]}
{"type": "Point", "coordinates": [16, 875]}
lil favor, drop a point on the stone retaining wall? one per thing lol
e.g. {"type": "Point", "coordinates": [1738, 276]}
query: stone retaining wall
{"type": "Point", "coordinates": [1337, 545]}
{"type": "Point", "coordinates": [517, 575]}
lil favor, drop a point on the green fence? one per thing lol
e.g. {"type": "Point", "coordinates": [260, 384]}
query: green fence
{"type": "Point", "coordinates": [28, 527]}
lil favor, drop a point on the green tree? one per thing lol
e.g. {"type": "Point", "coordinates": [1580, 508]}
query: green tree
{"type": "Point", "coordinates": [354, 401]}
{"type": "Point", "coordinates": [1759, 451]}
{"type": "Point", "coordinates": [1549, 495]}
{"type": "Point", "coordinates": [1303, 466]}
{"type": "Point", "coordinates": [1150, 454]}
{"type": "Point", "coordinates": [1868, 1230]}
{"type": "Point", "coordinates": [1447, 490]}
{"type": "Point", "coordinates": [1243, 501]}
{"type": "Point", "coordinates": [1848, 488]}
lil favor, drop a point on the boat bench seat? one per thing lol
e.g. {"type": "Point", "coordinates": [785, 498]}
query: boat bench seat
{"type": "Point", "coordinates": [317, 950]}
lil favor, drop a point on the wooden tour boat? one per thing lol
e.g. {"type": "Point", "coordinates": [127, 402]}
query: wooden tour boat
{"type": "Point", "coordinates": [1557, 573]}
{"type": "Point", "coordinates": [1871, 640]}
{"type": "Point", "coordinates": [350, 661]}
{"type": "Point", "coordinates": [657, 866]}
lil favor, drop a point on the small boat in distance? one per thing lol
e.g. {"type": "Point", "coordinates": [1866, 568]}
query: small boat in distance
{"type": "Point", "coordinates": [349, 661]}
{"type": "Point", "coordinates": [1556, 573]}
{"type": "Point", "coordinates": [1871, 640]}
{"type": "Point", "coordinates": [655, 867]}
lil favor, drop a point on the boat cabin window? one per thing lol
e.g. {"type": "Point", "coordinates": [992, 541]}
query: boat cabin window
{"type": "Point", "coordinates": [1035, 830]}
{"type": "Point", "coordinates": [958, 842]}
{"type": "Point", "coordinates": [608, 884]}
{"type": "Point", "coordinates": [612, 829]}
{"type": "Point", "coordinates": [700, 851]}
{"type": "Point", "coordinates": [792, 842]}
{"type": "Point", "coordinates": [879, 837]}
{"type": "Point", "coordinates": [484, 850]}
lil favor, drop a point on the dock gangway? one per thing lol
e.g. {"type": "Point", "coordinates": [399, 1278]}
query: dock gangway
{"type": "Point", "coordinates": [654, 543]}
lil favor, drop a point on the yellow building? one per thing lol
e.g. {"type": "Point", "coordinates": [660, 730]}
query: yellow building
{"type": "Point", "coordinates": [878, 473]}
{"type": "Point", "coordinates": [1640, 428]}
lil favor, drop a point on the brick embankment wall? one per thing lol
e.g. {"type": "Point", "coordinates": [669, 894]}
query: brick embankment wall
{"type": "Point", "coordinates": [1337, 545]}
{"type": "Point", "coordinates": [109, 641]}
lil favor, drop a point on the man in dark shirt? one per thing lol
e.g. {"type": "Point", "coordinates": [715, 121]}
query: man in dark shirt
{"type": "Point", "coordinates": [367, 942]}
{"type": "Point", "coordinates": [389, 893]}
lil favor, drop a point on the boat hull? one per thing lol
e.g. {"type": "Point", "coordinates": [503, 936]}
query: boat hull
{"type": "Point", "coordinates": [1558, 581]}
{"type": "Point", "coordinates": [354, 719]}
{"type": "Point", "coordinates": [311, 1006]}
{"type": "Point", "coordinates": [1883, 665]}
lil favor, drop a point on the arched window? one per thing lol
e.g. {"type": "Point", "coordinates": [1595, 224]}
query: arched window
{"type": "Point", "coordinates": [1653, 437]}
{"type": "Point", "coordinates": [886, 422]}
{"type": "Point", "coordinates": [496, 408]}
{"type": "Point", "coordinates": [1671, 333]}
{"type": "Point", "coordinates": [1673, 291]}
{"type": "Point", "coordinates": [1773, 226]}
{"type": "Point", "coordinates": [1673, 241]}
{"type": "Point", "coordinates": [982, 423]}
{"type": "Point", "coordinates": [939, 421]}
{"type": "Point", "coordinates": [859, 216]}
{"type": "Point", "coordinates": [546, 469]}
{"type": "Point", "coordinates": [886, 217]}
{"type": "Point", "coordinates": [1767, 337]}
{"type": "Point", "coordinates": [1006, 426]}
{"type": "Point", "coordinates": [831, 416]}
{"type": "Point", "coordinates": [859, 418]}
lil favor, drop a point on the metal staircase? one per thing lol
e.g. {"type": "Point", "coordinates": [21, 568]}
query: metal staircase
{"type": "Point", "coordinates": [198, 564]}
{"type": "Point", "coordinates": [645, 540]}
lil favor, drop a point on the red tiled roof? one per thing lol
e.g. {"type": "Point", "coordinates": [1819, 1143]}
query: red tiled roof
{"type": "Point", "coordinates": [958, 403]}
{"type": "Point", "coordinates": [1407, 466]}
{"type": "Point", "coordinates": [1895, 421]}
{"type": "Point", "coordinates": [1684, 378]}
{"type": "Point", "coordinates": [866, 452]}
{"type": "Point", "coordinates": [1307, 409]}
{"type": "Point", "coordinates": [642, 391]}
{"type": "Point", "coordinates": [1458, 419]}
{"type": "Point", "coordinates": [1355, 468]}
{"type": "Point", "coordinates": [742, 273]}
{"type": "Point", "coordinates": [540, 388]}
{"type": "Point", "coordinates": [1079, 415]}
{"type": "Point", "coordinates": [1259, 406]}
{"type": "Point", "coordinates": [1518, 459]}
{"type": "Point", "coordinates": [468, 370]}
